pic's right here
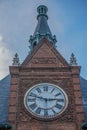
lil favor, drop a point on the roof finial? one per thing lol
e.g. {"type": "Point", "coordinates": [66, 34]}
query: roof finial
{"type": "Point", "coordinates": [73, 60]}
{"type": "Point", "coordinates": [16, 60]}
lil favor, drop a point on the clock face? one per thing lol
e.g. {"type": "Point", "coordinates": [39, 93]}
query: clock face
{"type": "Point", "coordinates": [45, 101]}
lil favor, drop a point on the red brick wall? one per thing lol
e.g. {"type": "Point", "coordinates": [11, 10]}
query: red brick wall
{"type": "Point", "coordinates": [59, 73]}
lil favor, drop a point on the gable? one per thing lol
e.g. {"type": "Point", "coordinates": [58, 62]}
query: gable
{"type": "Point", "coordinates": [44, 55]}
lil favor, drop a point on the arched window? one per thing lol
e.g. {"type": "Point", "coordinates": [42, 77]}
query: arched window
{"type": "Point", "coordinates": [34, 44]}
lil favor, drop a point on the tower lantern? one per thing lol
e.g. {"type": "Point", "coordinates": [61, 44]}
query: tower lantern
{"type": "Point", "coordinates": [42, 10]}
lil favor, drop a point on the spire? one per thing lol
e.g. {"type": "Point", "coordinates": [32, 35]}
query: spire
{"type": "Point", "coordinates": [42, 28]}
{"type": "Point", "coordinates": [73, 60]}
{"type": "Point", "coordinates": [16, 60]}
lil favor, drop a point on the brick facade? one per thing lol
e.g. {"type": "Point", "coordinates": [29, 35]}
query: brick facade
{"type": "Point", "coordinates": [45, 64]}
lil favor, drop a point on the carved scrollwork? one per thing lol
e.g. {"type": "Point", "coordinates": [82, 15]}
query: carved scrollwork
{"type": "Point", "coordinates": [44, 60]}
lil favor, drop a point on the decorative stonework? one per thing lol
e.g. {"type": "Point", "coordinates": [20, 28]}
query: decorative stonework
{"type": "Point", "coordinates": [44, 55]}
{"type": "Point", "coordinates": [16, 60]}
{"type": "Point", "coordinates": [44, 60]}
{"type": "Point", "coordinates": [26, 84]}
{"type": "Point", "coordinates": [73, 61]}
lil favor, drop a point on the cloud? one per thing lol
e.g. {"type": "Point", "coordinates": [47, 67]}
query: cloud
{"type": "Point", "coordinates": [5, 58]}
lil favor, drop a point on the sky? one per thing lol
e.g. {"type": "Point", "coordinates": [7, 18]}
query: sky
{"type": "Point", "coordinates": [67, 20]}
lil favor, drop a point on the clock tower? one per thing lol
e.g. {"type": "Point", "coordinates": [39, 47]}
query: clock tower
{"type": "Point", "coordinates": [45, 88]}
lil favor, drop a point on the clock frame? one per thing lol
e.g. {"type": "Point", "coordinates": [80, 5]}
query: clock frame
{"type": "Point", "coordinates": [45, 101]}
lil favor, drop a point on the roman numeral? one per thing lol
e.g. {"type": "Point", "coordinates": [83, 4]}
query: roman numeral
{"type": "Point", "coordinates": [38, 89]}
{"type": "Point", "coordinates": [45, 88]}
{"type": "Point", "coordinates": [31, 100]}
{"type": "Point", "coordinates": [53, 111]}
{"type": "Point", "coordinates": [33, 106]}
{"type": "Point", "coordinates": [33, 94]}
{"type": "Point", "coordinates": [52, 90]}
{"type": "Point", "coordinates": [60, 100]}
{"type": "Point", "coordinates": [57, 94]}
{"type": "Point", "coordinates": [38, 110]}
{"type": "Point", "coordinates": [45, 113]}
{"type": "Point", "coordinates": [58, 106]}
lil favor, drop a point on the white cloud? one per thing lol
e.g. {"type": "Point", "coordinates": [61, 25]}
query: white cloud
{"type": "Point", "coordinates": [1, 39]}
{"type": "Point", "coordinates": [5, 58]}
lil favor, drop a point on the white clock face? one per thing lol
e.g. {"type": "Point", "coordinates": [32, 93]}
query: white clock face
{"type": "Point", "coordinates": [45, 100]}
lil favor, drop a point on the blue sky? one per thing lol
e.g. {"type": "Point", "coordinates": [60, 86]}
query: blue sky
{"type": "Point", "coordinates": [67, 20]}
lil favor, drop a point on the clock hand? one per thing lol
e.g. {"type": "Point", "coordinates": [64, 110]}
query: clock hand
{"type": "Point", "coordinates": [59, 100]}
{"type": "Point", "coordinates": [52, 99]}
{"type": "Point", "coordinates": [36, 96]}
{"type": "Point", "coordinates": [33, 95]}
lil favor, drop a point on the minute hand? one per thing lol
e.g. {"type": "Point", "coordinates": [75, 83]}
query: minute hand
{"type": "Point", "coordinates": [60, 100]}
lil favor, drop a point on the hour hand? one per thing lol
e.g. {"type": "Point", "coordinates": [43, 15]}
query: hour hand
{"type": "Point", "coordinates": [50, 99]}
{"type": "Point", "coordinates": [34, 95]}
{"type": "Point", "coordinates": [59, 100]}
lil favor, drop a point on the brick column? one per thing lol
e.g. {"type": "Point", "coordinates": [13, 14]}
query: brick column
{"type": "Point", "coordinates": [13, 96]}
{"type": "Point", "coordinates": [78, 96]}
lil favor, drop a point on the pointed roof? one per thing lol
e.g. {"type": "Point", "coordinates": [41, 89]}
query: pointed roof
{"type": "Point", "coordinates": [4, 98]}
{"type": "Point", "coordinates": [83, 83]}
{"type": "Point", "coordinates": [42, 28]}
